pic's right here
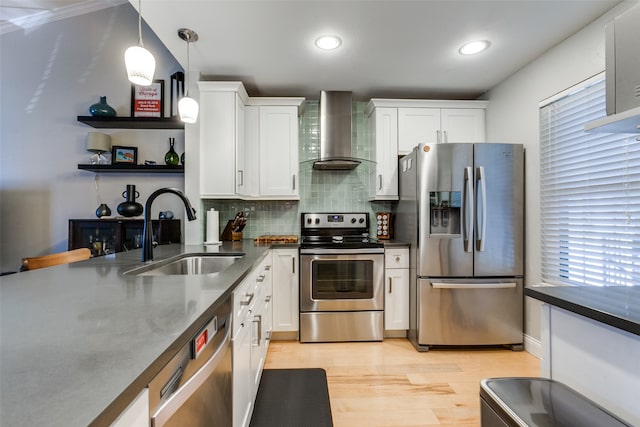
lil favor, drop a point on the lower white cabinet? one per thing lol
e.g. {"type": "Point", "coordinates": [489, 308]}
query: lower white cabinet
{"type": "Point", "coordinates": [285, 291]}
{"type": "Point", "coordinates": [251, 335]}
{"type": "Point", "coordinates": [396, 296]}
{"type": "Point", "coordinates": [136, 414]}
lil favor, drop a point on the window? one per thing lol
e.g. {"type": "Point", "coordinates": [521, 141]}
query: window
{"type": "Point", "coordinates": [589, 194]}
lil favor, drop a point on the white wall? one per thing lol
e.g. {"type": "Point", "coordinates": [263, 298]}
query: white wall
{"type": "Point", "coordinates": [513, 116]}
{"type": "Point", "coordinates": [49, 75]}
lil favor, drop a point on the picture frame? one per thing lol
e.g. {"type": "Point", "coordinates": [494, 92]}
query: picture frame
{"type": "Point", "coordinates": [148, 101]}
{"type": "Point", "coordinates": [121, 155]}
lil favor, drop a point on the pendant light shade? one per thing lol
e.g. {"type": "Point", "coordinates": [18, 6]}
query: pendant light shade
{"type": "Point", "coordinates": [140, 65]}
{"type": "Point", "coordinates": [188, 107]}
{"type": "Point", "coordinates": [139, 61]}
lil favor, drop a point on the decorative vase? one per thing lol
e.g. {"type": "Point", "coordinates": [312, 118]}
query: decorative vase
{"type": "Point", "coordinates": [171, 158]}
{"type": "Point", "coordinates": [130, 207]}
{"type": "Point", "coordinates": [103, 210]}
{"type": "Point", "coordinates": [102, 108]}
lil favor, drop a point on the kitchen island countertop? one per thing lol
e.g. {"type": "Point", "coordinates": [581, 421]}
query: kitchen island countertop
{"type": "Point", "coordinates": [617, 306]}
{"type": "Point", "coordinates": [80, 341]}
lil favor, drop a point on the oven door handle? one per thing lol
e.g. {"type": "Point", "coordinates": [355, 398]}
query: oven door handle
{"type": "Point", "coordinates": [338, 252]}
{"type": "Point", "coordinates": [180, 396]}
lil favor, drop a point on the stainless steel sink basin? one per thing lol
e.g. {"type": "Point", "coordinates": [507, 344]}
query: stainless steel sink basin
{"type": "Point", "coordinates": [188, 264]}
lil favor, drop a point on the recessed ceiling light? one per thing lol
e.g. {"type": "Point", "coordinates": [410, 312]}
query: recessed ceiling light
{"type": "Point", "coordinates": [328, 42]}
{"type": "Point", "coordinates": [474, 47]}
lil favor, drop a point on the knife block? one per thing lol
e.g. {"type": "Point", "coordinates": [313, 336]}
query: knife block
{"type": "Point", "coordinates": [229, 235]}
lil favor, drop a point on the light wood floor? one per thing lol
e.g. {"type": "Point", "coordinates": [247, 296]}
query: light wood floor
{"type": "Point", "coordinates": [389, 383]}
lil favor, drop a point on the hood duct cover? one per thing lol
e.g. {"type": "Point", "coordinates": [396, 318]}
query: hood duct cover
{"type": "Point", "coordinates": [335, 132]}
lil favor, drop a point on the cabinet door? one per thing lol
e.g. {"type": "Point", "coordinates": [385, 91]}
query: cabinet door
{"type": "Point", "coordinates": [136, 414]}
{"type": "Point", "coordinates": [278, 151]}
{"type": "Point", "coordinates": [384, 132]}
{"type": "Point", "coordinates": [220, 117]}
{"type": "Point", "coordinates": [463, 125]}
{"type": "Point", "coordinates": [242, 399]}
{"type": "Point", "coordinates": [417, 126]}
{"type": "Point", "coordinates": [396, 303]}
{"type": "Point", "coordinates": [285, 290]}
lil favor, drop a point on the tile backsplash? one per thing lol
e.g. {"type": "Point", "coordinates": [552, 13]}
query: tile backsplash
{"type": "Point", "coordinates": [320, 191]}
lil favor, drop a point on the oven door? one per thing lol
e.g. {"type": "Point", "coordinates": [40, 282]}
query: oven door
{"type": "Point", "coordinates": [341, 280]}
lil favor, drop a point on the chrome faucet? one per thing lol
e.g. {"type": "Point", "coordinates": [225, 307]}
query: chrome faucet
{"type": "Point", "coordinates": [147, 236]}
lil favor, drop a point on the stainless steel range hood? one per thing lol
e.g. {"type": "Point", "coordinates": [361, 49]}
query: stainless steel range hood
{"type": "Point", "coordinates": [335, 132]}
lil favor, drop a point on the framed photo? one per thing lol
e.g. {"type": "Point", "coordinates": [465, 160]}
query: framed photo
{"type": "Point", "coordinates": [148, 101]}
{"type": "Point", "coordinates": [124, 155]}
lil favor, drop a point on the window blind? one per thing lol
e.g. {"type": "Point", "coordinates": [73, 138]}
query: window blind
{"type": "Point", "coordinates": [589, 195]}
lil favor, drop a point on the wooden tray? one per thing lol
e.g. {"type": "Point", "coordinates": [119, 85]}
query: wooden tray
{"type": "Point", "coordinates": [275, 239]}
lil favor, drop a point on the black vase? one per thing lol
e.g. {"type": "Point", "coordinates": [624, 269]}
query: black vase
{"type": "Point", "coordinates": [130, 207]}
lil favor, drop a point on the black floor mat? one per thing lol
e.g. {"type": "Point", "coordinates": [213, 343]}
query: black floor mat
{"type": "Point", "coordinates": [292, 398]}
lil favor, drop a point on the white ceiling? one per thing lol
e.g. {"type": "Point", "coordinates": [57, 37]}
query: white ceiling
{"type": "Point", "coordinates": [391, 48]}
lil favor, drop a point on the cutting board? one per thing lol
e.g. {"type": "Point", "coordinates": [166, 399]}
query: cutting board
{"type": "Point", "coordinates": [275, 239]}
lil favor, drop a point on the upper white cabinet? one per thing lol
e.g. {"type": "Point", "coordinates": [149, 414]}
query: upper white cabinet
{"type": "Point", "coordinates": [222, 131]}
{"type": "Point", "coordinates": [438, 125]}
{"type": "Point", "coordinates": [398, 125]}
{"type": "Point", "coordinates": [248, 146]}
{"type": "Point", "coordinates": [276, 130]}
{"type": "Point", "coordinates": [383, 130]}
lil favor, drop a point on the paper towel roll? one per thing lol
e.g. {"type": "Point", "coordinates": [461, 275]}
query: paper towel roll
{"type": "Point", "coordinates": [213, 227]}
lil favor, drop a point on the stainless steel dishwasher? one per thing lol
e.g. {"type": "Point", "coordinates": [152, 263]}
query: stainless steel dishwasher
{"type": "Point", "coordinates": [194, 388]}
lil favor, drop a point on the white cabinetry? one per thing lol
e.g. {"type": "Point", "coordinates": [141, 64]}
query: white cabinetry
{"type": "Point", "coordinates": [222, 130]}
{"type": "Point", "coordinates": [396, 302]}
{"type": "Point", "coordinates": [248, 146]}
{"type": "Point", "coordinates": [272, 132]}
{"type": "Point", "coordinates": [398, 125]}
{"type": "Point", "coordinates": [285, 293]}
{"type": "Point", "coordinates": [136, 414]}
{"type": "Point", "coordinates": [439, 125]}
{"type": "Point", "coordinates": [383, 130]}
{"type": "Point", "coordinates": [250, 340]}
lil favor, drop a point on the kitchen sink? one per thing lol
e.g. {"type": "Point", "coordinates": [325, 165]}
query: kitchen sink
{"type": "Point", "coordinates": [188, 264]}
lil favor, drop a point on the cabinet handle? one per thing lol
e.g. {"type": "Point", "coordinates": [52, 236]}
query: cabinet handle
{"type": "Point", "coordinates": [438, 137]}
{"type": "Point", "coordinates": [241, 173]}
{"type": "Point", "coordinates": [257, 320]}
{"type": "Point", "coordinates": [294, 181]}
{"type": "Point", "coordinates": [390, 285]}
{"type": "Point", "coordinates": [379, 182]}
{"type": "Point", "coordinates": [260, 278]}
{"type": "Point", "coordinates": [293, 265]}
{"type": "Point", "coordinates": [247, 301]}
{"type": "Point", "coordinates": [267, 267]}
{"type": "Point", "coordinates": [445, 137]}
{"type": "Point", "coordinates": [267, 298]}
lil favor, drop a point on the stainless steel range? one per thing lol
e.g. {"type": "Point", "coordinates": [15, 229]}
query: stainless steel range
{"type": "Point", "coordinates": [341, 279]}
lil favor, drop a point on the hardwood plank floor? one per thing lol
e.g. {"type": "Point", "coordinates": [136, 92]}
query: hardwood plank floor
{"type": "Point", "coordinates": [389, 383]}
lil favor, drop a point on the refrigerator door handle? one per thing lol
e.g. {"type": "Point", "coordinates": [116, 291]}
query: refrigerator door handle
{"type": "Point", "coordinates": [502, 285]}
{"type": "Point", "coordinates": [483, 191]}
{"type": "Point", "coordinates": [467, 211]}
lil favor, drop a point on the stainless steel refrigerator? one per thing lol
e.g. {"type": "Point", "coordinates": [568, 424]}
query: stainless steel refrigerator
{"type": "Point", "coordinates": [462, 210]}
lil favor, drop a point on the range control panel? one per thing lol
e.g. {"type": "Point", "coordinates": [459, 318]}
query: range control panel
{"type": "Point", "coordinates": [335, 220]}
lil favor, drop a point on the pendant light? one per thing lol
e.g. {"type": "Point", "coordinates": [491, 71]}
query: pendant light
{"type": "Point", "coordinates": [188, 107]}
{"type": "Point", "coordinates": [139, 61]}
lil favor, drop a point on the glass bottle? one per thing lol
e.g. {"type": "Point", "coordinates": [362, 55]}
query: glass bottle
{"type": "Point", "coordinates": [171, 158]}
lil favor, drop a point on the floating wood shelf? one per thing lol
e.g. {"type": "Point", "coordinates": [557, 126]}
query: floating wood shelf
{"type": "Point", "coordinates": [132, 122]}
{"type": "Point", "coordinates": [124, 168]}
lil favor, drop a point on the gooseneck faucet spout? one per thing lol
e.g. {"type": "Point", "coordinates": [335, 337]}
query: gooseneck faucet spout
{"type": "Point", "coordinates": [147, 236]}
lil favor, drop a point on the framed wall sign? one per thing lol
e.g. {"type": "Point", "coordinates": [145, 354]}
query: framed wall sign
{"type": "Point", "coordinates": [148, 101]}
{"type": "Point", "coordinates": [124, 155]}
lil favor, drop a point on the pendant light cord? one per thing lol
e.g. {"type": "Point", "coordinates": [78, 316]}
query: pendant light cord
{"type": "Point", "coordinates": [186, 92]}
{"type": "Point", "coordinates": [140, 23]}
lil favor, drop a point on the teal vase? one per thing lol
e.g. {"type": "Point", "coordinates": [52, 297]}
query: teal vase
{"type": "Point", "coordinates": [102, 108]}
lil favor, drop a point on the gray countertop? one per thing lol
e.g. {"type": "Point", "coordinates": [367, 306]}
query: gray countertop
{"type": "Point", "coordinates": [80, 341]}
{"type": "Point", "coordinates": [617, 306]}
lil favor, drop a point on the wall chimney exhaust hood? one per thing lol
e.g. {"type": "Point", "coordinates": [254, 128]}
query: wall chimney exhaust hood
{"type": "Point", "coordinates": [335, 132]}
{"type": "Point", "coordinates": [622, 59]}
